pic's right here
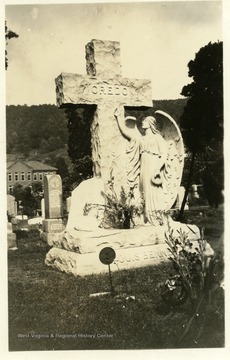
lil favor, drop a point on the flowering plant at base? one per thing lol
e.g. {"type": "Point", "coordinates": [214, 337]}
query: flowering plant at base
{"type": "Point", "coordinates": [198, 270]}
{"type": "Point", "coordinates": [119, 212]}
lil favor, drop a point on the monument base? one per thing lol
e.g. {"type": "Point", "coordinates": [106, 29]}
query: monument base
{"type": "Point", "coordinates": [51, 227]}
{"type": "Point", "coordinates": [77, 252]}
{"type": "Point", "coordinates": [88, 264]}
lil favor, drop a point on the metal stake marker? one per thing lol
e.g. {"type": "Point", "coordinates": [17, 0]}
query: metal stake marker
{"type": "Point", "coordinates": [107, 256]}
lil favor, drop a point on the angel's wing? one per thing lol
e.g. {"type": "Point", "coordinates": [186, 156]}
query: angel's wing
{"type": "Point", "coordinates": [172, 173]}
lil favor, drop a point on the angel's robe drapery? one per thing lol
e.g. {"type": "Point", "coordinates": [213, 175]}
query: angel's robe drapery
{"type": "Point", "coordinates": [146, 154]}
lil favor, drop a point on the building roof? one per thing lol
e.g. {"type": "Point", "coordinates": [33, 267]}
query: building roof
{"type": "Point", "coordinates": [9, 163]}
{"type": "Point", "coordinates": [33, 164]}
{"type": "Point", "coordinates": [37, 165]}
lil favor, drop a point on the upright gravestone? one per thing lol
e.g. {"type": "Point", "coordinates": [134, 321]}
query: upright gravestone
{"type": "Point", "coordinates": [11, 237]}
{"type": "Point", "coordinates": [43, 208]}
{"type": "Point", "coordinates": [11, 205]}
{"type": "Point", "coordinates": [53, 196]}
{"type": "Point", "coordinates": [52, 223]}
{"type": "Point", "coordinates": [195, 193]}
{"type": "Point", "coordinates": [68, 204]}
{"type": "Point", "coordinates": [105, 87]}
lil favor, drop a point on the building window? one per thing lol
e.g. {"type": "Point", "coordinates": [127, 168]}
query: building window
{"type": "Point", "coordinates": [35, 176]}
{"type": "Point", "coordinates": [29, 176]}
{"type": "Point", "coordinates": [22, 176]}
{"type": "Point", "coordinates": [9, 177]}
{"type": "Point", "coordinates": [16, 177]}
{"type": "Point", "coordinates": [40, 176]}
{"type": "Point", "coordinates": [10, 188]}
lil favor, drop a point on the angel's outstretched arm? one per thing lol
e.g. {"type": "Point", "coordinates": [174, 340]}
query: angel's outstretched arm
{"type": "Point", "coordinates": [121, 120]}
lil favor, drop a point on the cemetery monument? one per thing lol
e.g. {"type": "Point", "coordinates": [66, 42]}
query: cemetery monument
{"type": "Point", "coordinates": [142, 168]}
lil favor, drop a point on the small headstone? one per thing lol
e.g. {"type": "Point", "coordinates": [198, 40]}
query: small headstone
{"type": "Point", "coordinates": [11, 237]}
{"type": "Point", "coordinates": [43, 208]}
{"type": "Point", "coordinates": [34, 221]}
{"type": "Point", "coordinates": [52, 224]}
{"type": "Point", "coordinates": [195, 193]}
{"type": "Point", "coordinates": [68, 204]}
{"type": "Point", "coordinates": [53, 197]}
{"type": "Point", "coordinates": [11, 205]}
{"type": "Point", "coordinates": [22, 217]}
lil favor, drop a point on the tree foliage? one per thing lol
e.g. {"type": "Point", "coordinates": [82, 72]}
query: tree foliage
{"type": "Point", "coordinates": [45, 132]}
{"type": "Point", "coordinates": [9, 34]}
{"type": "Point", "coordinates": [79, 142]}
{"type": "Point", "coordinates": [41, 128]}
{"type": "Point", "coordinates": [202, 120]}
{"type": "Point", "coordinates": [27, 198]}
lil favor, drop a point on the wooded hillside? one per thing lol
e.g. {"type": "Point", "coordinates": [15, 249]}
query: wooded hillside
{"type": "Point", "coordinates": [35, 131]}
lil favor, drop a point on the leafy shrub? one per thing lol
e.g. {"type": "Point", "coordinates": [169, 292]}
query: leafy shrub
{"type": "Point", "coordinates": [199, 268]}
{"type": "Point", "coordinates": [120, 211]}
{"type": "Point", "coordinates": [198, 276]}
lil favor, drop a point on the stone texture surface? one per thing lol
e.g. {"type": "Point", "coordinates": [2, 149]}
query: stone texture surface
{"type": "Point", "coordinates": [50, 238]}
{"type": "Point", "coordinates": [91, 241]}
{"type": "Point", "coordinates": [88, 264]}
{"type": "Point", "coordinates": [99, 64]}
{"type": "Point", "coordinates": [104, 87]}
{"type": "Point", "coordinates": [52, 225]}
{"type": "Point", "coordinates": [128, 258]}
{"type": "Point", "coordinates": [80, 90]}
{"type": "Point", "coordinates": [87, 192]}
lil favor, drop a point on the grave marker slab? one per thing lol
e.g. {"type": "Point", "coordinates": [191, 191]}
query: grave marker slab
{"type": "Point", "coordinates": [53, 196]}
{"type": "Point", "coordinates": [11, 237]}
{"type": "Point", "coordinates": [52, 224]}
{"type": "Point", "coordinates": [43, 208]}
{"type": "Point", "coordinates": [11, 205]}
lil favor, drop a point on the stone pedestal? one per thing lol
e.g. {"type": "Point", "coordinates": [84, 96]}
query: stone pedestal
{"type": "Point", "coordinates": [88, 264]}
{"type": "Point", "coordinates": [77, 252]}
{"type": "Point", "coordinates": [51, 227]}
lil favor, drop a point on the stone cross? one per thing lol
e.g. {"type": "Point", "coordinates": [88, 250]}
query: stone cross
{"type": "Point", "coordinates": [105, 87]}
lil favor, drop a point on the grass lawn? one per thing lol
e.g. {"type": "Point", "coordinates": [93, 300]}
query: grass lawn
{"type": "Point", "coordinates": [50, 310]}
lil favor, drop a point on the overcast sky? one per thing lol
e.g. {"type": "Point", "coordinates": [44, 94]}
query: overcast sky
{"type": "Point", "coordinates": [157, 41]}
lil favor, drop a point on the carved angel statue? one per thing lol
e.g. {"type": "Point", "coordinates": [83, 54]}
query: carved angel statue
{"type": "Point", "coordinates": [156, 159]}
